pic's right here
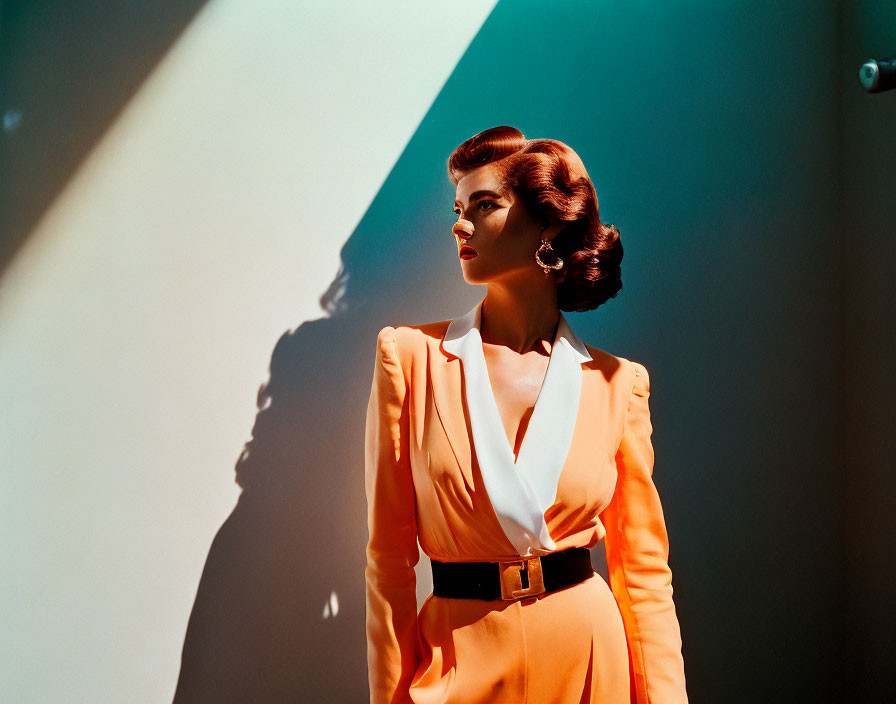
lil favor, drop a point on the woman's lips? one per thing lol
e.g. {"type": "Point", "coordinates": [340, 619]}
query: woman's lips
{"type": "Point", "coordinates": [466, 253]}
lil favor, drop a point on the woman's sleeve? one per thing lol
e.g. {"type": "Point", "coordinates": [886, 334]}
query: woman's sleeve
{"type": "Point", "coordinates": [637, 559]}
{"type": "Point", "coordinates": [392, 642]}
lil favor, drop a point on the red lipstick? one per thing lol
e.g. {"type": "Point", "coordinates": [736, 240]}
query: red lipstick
{"type": "Point", "coordinates": [466, 252]}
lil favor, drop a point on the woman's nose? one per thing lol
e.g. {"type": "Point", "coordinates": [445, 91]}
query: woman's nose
{"type": "Point", "coordinates": [461, 231]}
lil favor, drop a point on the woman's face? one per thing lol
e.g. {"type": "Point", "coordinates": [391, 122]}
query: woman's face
{"type": "Point", "coordinates": [496, 225]}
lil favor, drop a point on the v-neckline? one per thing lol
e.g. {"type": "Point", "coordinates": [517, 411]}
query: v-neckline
{"type": "Point", "coordinates": [521, 488]}
{"type": "Point", "coordinates": [494, 401]}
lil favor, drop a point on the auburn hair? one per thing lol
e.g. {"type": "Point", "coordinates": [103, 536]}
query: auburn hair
{"type": "Point", "coordinates": [552, 183]}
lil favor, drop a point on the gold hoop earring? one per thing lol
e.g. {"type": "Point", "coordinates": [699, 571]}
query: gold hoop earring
{"type": "Point", "coordinates": [547, 268]}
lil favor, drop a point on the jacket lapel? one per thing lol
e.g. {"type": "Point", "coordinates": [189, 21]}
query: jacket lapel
{"type": "Point", "coordinates": [520, 493]}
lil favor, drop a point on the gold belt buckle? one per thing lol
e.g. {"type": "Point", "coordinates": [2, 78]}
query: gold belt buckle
{"type": "Point", "coordinates": [515, 572]}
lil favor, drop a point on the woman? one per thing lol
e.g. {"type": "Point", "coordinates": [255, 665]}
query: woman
{"type": "Point", "coordinates": [509, 447]}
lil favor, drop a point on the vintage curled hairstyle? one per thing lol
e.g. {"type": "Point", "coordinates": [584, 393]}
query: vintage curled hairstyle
{"type": "Point", "coordinates": [552, 183]}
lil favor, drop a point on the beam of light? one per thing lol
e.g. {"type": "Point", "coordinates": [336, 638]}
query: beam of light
{"type": "Point", "coordinates": [139, 317]}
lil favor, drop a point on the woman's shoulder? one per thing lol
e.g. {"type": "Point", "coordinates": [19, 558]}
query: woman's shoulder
{"type": "Point", "coordinates": [406, 332]}
{"type": "Point", "coordinates": [611, 364]}
{"type": "Point", "coordinates": [413, 339]}
{"type": "Point", "coordinates": [603, 359]}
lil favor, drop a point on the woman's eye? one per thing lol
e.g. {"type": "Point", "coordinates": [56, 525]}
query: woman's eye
{"type": "Point", "coordinates": [483, 204]}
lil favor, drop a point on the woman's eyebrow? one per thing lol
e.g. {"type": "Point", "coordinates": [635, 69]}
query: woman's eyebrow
{"type": "Point", "coordinates": [479, 194]}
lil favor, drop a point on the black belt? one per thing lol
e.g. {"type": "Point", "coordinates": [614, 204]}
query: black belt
{"type": "Point", "coordinates": [511, 579]}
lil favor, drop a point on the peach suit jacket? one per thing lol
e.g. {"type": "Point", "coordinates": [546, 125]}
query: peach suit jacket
{"type": "Point", "coordinates": [438, 468]}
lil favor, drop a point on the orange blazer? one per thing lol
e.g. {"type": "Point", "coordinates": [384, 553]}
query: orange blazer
{"type": "Point", "coordinates": [430, 428]}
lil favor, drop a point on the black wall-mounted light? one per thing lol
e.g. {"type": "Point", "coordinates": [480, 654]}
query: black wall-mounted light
{"type": "Point", "coordinates": [878, 75]}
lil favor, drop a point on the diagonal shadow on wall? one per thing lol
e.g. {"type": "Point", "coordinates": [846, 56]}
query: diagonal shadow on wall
{"type": "Point", "coordinates": [67, 69]}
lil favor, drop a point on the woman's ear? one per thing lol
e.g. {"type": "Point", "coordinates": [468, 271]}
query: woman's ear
{"type": "Point", "coordinates": [550, 229]}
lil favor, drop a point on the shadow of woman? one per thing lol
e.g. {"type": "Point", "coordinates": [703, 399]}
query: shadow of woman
{"type": "Point", "coordinates": [279, 614]}
{"type": "Point", "coordinates": [279, 611]}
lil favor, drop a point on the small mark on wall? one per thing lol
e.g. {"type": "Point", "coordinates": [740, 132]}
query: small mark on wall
{"type": "Point", "coordinates": [331, 608]}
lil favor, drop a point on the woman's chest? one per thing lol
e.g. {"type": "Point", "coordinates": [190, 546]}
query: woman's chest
{"type": "Point", "coordinates": [515, 383]}
{"type": "Point", "coordinates": [448, 465]}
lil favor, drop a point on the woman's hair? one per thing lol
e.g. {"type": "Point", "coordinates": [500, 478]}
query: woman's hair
{"type": "Point", "coordinates": [552, 183]}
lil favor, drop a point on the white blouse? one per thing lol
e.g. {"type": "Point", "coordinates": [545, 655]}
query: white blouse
{"type": "Point", "coordinates": [523, 491]}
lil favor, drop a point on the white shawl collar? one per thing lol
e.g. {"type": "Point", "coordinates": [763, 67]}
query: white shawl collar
{"type": "Point", "coordinates": [521, 493]}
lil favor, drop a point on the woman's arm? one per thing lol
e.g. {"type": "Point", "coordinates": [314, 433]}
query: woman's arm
{"type": "Point", "coordinates": [392, 642]}
{"type": "Point", "coordinates": [637, 559]}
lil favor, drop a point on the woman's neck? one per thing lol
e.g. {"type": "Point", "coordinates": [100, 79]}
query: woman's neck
{"type": "Point", "coordinates": [520, 320]}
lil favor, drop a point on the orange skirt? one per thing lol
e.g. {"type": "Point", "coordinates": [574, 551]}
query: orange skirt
{"type": "Point", "coordinates": [565, 647]}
